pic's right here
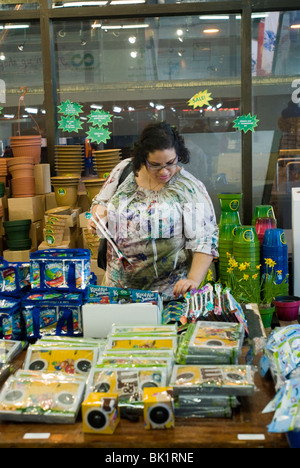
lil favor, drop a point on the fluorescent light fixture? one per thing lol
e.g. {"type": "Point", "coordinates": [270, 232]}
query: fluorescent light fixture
{"type": "Point", "coordinates": [2, 56]}
{"type": "Point", "coordinates": [295, 26]}
{"type": "Point", "coordinates": [131, 108]}
{"type": "Point", "coordinates": [96, 106]}
{"type": "Point", "coordinates": [120, 26]}
{"type": "Point", "coordinates": [8, 116]}
{"type": "Point", "coordinates": [31, 110]}
{"type": "Point", "coordinates": [151, 104]}
{"type": "Point", "coordinates": [117, 109]}
{"type": "Point", "coordinates": [126, 2]}
{"type": "Point", "coordinates": [214, 17]}
{"type": "Point", "coordinates": [82, 4]}
{"type": "Point", "coordinates": [15, 26]}
{"type": "Point", "coordinates": [159, 107]}
{"type": "Point", "coordinates": [211, 31]}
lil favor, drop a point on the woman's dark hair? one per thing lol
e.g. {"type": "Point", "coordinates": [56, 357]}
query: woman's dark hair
{"type": "Point", "coordinates": [158, 136]}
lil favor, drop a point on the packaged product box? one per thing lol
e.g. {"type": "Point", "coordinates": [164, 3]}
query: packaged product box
{"type": "Point", "coordinates": [100, 413]}
{"type": "Point", "coordinates": [36, 233]}
{"type": "Point", "coordinates": [158, 408]}
{"type": "Point", "coordinates": [26, 208]}
{"type": "Point", "coordinates": [83, 220]}
{"type": "Point", "coordinates": [63, 245]}
{"type": "Point", "coordinates": [42, 177]}
{"type": "Point", "coordinates": [17, 255]}
{"type": "Point", "coordinates": [50, 201]}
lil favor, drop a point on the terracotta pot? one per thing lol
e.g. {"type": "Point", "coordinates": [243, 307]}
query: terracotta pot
{"type": "Point", "coordinates": [21, 167]}
{"type": "Point", "coordinates": [23, 187]}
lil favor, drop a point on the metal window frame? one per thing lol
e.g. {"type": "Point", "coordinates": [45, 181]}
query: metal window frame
{"type": "Point", "coordinates": [46, 15]}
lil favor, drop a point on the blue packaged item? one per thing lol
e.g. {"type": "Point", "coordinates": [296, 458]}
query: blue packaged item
{"type": "Point", "coordinates": [112, 295]}
{"type": "Point", "coordinates": [14, 278]}
{"type": "Point", "coordinates": [52, 313]}
{"type": "Point", "coordinates": [60, 269]}
{"type": "Point", "coordinates": [11, 323]}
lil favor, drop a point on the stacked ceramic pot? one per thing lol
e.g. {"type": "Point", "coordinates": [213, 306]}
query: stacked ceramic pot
{"type": "Point", "coordinates": [246, 251]}
{"type": "Point", "coordinates": [229, 220]}
{"type": "Point", "coordinates": [104, 161]}
{"type": "Point", "coordinates": [69, 160]}
{"type": "Point", "coordinates": [3, 170]}
{"type": "Point", "coordinates": [17, 234]}
{"type": "Point", "coordinates": [263, 219]}
{"type": "Point", "coordinates": [27, 146]}
{"type": "Point", "coordinates": [66, 190]}
{"type": "Point", "coordinates": [274, 246]}
{"type": "Point", "coordinates": [93, 187]}
{"type": "Point", "coordinates": [23, 182]}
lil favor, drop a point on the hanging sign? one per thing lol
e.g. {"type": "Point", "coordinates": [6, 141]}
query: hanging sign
{"type": "Point", "coordinates": [70, 124]}
{"type": "Point", "coordinates": [98, 134]}
{"type": "Point", "coordinates": [200, 99]}
{"type": "Point", "coordinates": [99, 118]}
{"type": "Point", "coordinates": [245, 123]}
{"type": "Point", "coordinates": [70, 108]}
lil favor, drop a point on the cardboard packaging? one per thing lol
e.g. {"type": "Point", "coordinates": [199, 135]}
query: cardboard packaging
{"type": "Point", "coordinates": [100, 413]}
{"type": "Point", "coordinates": [36, 233]}
{"type": "Point", "coordinates": [50, 201]}
{"type": "Point", "coordinates": [99, 318]}
{"type": "Point", "coordinates": [63, 245]}
{"type": "Point", "coordinates": [26, 208]}
{"type": "Point", "coordinates": [158, 408]}
{"type": "Point", "coordinates": [17, 255]}
{"type": "Point", "coordinates": [42, 177]}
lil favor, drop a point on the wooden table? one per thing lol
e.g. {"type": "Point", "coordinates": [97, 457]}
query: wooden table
{"type": "Point", "coordinates": [246, 429]}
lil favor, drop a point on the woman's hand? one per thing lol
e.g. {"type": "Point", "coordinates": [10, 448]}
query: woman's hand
{"type": "Point", "coordinates": [101, 212]}
{"type": "Point", "coordinates": [184, 285]}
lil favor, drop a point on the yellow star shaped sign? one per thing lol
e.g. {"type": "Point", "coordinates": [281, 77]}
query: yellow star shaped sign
{"type": "Point", "coordinates": [200, 99]}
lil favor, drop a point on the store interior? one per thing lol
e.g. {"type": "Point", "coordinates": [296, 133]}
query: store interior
{"type": "Point", "coordinates": [90, 366]}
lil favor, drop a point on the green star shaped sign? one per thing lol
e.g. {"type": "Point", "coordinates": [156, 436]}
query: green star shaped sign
{"type": "Point", "coordinates": [246, 123]}
{"type": "Point", "coordinates": [70, 108]}
{"type": "Point", "coordinates": [98, 134]}
{"type": "Point", "coordinates": [70, 124]}
{"type": "Point", "coordinates": [99, 118]}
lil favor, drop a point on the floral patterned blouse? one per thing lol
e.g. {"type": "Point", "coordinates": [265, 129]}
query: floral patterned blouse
{"type": "Point", "coordinates": [157, 231]}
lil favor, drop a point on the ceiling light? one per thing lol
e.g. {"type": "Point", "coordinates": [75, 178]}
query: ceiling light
{"type": "Point", "coordinates": [295, 26]}
{"type": "Point", "coordinates": [132, 39]}
{"type": "Point", "coordinates": [133, 54]}
{"type": "Point", "coordinates": [211, 31]}
{"type": "Point", "coordinates": [117, 109]}
{"type": "Point", "coordinates": [2, 56]}
{"type": "Point", "coordinates": [21, 47]}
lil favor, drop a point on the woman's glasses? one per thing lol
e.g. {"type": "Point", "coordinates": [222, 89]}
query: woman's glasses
{"type": "Point", "coordinates": [155, 167]}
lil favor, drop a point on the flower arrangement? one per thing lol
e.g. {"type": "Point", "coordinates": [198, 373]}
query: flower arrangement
{"type": "Point", "coordinates": [255, 288]}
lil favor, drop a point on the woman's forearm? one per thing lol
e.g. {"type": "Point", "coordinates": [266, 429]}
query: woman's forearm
{"type": "Point", "coordinates": [200, 266]}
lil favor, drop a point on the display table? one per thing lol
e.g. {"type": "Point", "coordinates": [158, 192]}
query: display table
{"type": "Point", "coordinates": [246, 429]}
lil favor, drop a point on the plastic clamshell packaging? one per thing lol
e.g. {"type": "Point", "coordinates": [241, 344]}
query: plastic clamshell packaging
{"type": "Point", "coordinates": [65, 360]}
{"type": "Point", "coordinates": [44, 398]}
{"type": "Point", "coordinates": [127, 382]}
{"type": "Point", "coordinates": [226, 380]}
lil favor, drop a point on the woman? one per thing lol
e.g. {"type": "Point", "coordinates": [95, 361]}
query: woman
{"type": "Point", "coordinates": [161, 218]}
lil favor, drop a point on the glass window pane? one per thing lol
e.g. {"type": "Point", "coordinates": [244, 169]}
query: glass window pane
{"type": "Point", "coordinates": [276, 143]}
{"type": "Point", "coordinates": [140, 70]}
{"type": "Point", "coordinates": [17, 6]}
{"type": "Point", "coordinates": [21, 74]}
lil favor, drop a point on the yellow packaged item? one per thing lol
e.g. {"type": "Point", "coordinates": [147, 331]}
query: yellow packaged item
{"type": "Point", "coordinates": [100, 413]}
{"type": "Point", "coordinates": [158, 408]}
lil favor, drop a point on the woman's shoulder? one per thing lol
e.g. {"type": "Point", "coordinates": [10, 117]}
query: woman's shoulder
{"type": "Point", "coordinates": [188, 179]}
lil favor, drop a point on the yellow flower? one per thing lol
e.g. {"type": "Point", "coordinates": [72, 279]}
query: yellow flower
{"type": "Point", "coordinates": [228, 254]}
{"type": "Point", "coordinates": [232, 262]}
{"type": "Point", "coordinates": [210, 275]}
{"type": "Point", "coordinates": [269, 262]}
{"type": "Point", "coordinates": [258, 267]}
{"type": "Point", "coordinates": [279, 272]}
{"type": "Point", "coordinates": [255, 276]}
{"type": "Point", "coordinates": [242, 266]}
{"type": "Point", "coordinates": [229, 270]}
{"type": "Point", "coordinates": [245, 277]}
{"type": "Point", "coordinates": [247, 264]}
